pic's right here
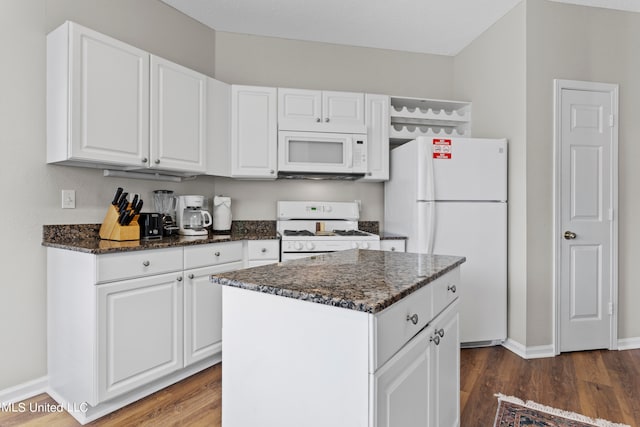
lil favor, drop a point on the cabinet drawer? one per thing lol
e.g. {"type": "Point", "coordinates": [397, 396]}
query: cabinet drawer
{"type": "Point", "coordinates": [263, 250]}
{"type": "Point", "coordinates": [128, 265]}
{"type": "Point", "coordinates": [394, 326]}
{"type": "Point", "coordinates": [445, 290]}
{"type": "Point", "coordinates": [213, 254]}
{"type": "Point", "coordinates": [392, 245]}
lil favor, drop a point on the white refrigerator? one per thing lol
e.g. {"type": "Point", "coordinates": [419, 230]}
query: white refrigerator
{"type": "Point", "coordinates": [449, 197]}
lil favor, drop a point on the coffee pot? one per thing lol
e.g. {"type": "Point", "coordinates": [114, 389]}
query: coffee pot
{"type": "Point", "coordinates": [192, 218]}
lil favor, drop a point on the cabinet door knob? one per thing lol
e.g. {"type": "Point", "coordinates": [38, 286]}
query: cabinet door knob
{"type": "Point", "coordinates": [272, 171]}
{"type": "Point", "coordinates": [326, 120]}
{"type": "Point", "coordinates": [191, 276]}
{"type": "Point", "coordinates": [263, 250]}
{"type": "Point", "coordinates": [146, 263]}
{"type": "Point", "coordinates": [452, 288]}
{"type": "Point", "coordinates": [217, 254]}
{"type": "Point", "coordinates": [440, 332]}
{"type": "Point", "coordinates": [413, 319]}
{"type": "Point", "coordinates": [318, 120]}
{"type": "Point", "coordinates": [435, 339]}
{"type": "Point", "coordinates": [393, 248]}
{"type": "Point", "coordinates": [145, 160]}
{"type": "Point", "coordinates": [157, 162]}
{"type": "Point", "coordinates": [179, 278]}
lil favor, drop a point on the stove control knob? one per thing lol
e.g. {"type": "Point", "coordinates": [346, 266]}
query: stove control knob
{"type": "Point", "coordinates": [354, 245]}
{"type": "Point", "coordinates": [328, 208]}
{"type": "Point", "coordinates": [297, 246]}
{"type": "Point", "coordinates": [364, 245]}
{"type": "Point", "coordinates": [310, 246]}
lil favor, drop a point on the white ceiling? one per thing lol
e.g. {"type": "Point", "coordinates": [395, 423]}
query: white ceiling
{"type": "Point", "coordinates": [441, 27]}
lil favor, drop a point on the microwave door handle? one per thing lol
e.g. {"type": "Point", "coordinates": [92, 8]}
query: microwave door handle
{"type": "Point", "coordinates": [350, 154]}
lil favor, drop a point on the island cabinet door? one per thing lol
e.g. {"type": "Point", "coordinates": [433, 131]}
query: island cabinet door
{"type": "Point", "coordinates": [139, 332]}
{"type": "Point", "coordinates": [446, 372]}
{"type": "Point", "coordinates": [402, 386]}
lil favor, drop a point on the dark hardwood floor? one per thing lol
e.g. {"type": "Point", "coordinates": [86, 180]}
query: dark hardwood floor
{"type": "Point", "coordinates": [601, 384]}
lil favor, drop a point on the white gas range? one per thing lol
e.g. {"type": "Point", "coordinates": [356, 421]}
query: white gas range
{"type": "Point", "coordinates": [311, 228]}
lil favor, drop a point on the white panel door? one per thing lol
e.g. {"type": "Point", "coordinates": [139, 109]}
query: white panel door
{"type": "Point", "coordinates": [377, 123]}
{"type": "Point", "coordinates": [298, 109]}
{"type": "Point", "coordinates": [586, 141]}
{"type": "Point", "coordinates": [109, 98]}
{"type": "Point", "coordinates": [178, 117]}
{"type": "Point", "coordinates": [139, 332]}
{"type": "Point", "coordinates": [477, 231]}
{"type": "Point", "coordinates": [343, 108]}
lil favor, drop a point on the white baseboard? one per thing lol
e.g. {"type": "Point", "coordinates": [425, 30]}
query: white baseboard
{"type": "Point", "coordinates": [24, 391]}
{"type": "Point", "coordinates": [629, 343]}
{"type": "Point", "coordinates": [534, 352]}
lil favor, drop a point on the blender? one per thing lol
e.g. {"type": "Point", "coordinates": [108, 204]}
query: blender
{"type": "Point", "coordinates": [165, 204]}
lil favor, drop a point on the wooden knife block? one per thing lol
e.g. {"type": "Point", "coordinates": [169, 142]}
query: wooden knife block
{"type": "Point", "coordinates": [111, 230]}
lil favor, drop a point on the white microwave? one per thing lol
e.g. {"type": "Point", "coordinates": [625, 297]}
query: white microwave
{"type": "Point", "coordinates": [322, 153]}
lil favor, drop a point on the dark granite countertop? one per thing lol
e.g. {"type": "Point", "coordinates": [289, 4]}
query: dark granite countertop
{"type": "Point", "coordinates": [85, 238]}
{"type": "Point", "coordinates": [363, 280]}
{"type": "Point", "coordinates": [392, 236]}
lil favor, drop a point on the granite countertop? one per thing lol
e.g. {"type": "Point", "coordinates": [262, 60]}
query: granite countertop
{"type": "Point", "coordinates": [85, 238]}
{"type": "Point", "coordinates": [363, 280]}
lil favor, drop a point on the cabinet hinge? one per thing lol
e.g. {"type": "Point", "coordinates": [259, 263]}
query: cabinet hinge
{"type": "Point", "coordinates": [611, 120]}
{"type": "Point", "coordinates": [610, 309]}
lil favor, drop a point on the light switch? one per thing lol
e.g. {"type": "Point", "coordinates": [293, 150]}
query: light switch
{"type": "Point", "coordinates": [68, 199]}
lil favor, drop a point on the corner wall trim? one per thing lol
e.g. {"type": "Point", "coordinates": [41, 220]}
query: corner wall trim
{"type": "Point", "coordinates": [629, 343]}
{"type": "Point", "coordinates": [535, 352]}
{"type": "Point", "coordinates": [24, 391]}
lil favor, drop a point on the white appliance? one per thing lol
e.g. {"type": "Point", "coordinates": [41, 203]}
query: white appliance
{"type": "Point", "coordinates": [449, 197]}
{"type": "Point", "coordinates": [192, 218]}
{"type": "Point", "coordinates": [312, 228]}
{"type": "Point", "coordinates": [221, 213]}
{"type": "Point", "coordinates": [301, 153]}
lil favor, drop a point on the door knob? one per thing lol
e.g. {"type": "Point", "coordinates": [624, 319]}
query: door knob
{"type": "Point", "coordinates": [570, 235]}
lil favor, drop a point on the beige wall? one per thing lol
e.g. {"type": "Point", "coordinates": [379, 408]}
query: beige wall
{"type": "Point", "coordinates": [579, 43]}
{"type": "Point", "coordinates": [491, 73]}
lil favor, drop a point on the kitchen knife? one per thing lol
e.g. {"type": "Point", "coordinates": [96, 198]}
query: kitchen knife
{"type": "Point", "coordinates": [116, 198]}
{"type": "Point", "coordinates": [134, 201]}
{"type": "Point", "coordinates": [123, 202]}
{"type": "Point", "coordinates": [128, 217]}
{"type": "Point", "coordinates": [137, 208]}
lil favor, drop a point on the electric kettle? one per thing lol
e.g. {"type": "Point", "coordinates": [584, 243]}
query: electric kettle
{"type": "Point", "coordinates": [221, 213]}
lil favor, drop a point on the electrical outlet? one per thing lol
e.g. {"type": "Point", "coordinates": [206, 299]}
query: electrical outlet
{"type": "Point", "coordinates": [68, 199]}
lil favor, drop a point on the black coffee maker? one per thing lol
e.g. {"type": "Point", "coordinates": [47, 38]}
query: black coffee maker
{"type": "Point", "coordinates": [165, 204]}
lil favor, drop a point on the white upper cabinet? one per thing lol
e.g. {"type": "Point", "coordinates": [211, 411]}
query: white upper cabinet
{"type": "Point", "coordinates": [112, 105]}
{"type": "Point", "coordinates": [320, 111]}
{"type": "Point", "coordinates": [254, 134]}
{"type": "Point", "coordinates": [178, 117]}
{"type": "Point", "coordinates": [377, 122]}
{"type": "Point", "coordinates": [97, 99]}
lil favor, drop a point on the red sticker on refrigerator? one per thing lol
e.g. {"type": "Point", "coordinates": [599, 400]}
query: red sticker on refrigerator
{"type": "Point", "coordinates": [441, 148]}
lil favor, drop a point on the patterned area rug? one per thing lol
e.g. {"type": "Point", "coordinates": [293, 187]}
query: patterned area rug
{"type": "Point", "coordinates": [513, 412]}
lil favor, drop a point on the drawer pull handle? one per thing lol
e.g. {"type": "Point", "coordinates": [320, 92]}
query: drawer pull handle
{"type": "Point", "coordinates": [413, 319]}
{"type": "Point", "coordinates": [435, 339]}
{"type": "Point", "coordinates": [217, 254]}
{"type": "Point", "coordinates": [146, 263]}
{"type": "Point", "coordinates": [179, 278]}
{"type": "Point", "coordinates": [440, 332]}
{"type": "Point", "coordinates": [263, 250]}
{"type": "Point", "coordinates": [452, 288]}
{"type": "Point", "coordinates": [191, 276]}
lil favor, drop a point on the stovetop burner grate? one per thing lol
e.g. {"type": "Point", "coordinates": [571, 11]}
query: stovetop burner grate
{"type": "Point", "coordinates": [298, 233]}
{"type": "Point", "coordinates": [350, 233]}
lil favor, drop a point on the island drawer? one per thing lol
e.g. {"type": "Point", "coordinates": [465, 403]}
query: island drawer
{"type": "Point", "coordinates": [398, 323]}
{"type": "Point", "coordinates": [445, 290]}
{"type": "Point", "coordinates": [127, 265]}
{"type": "Point", "coordinates": [212, 254]}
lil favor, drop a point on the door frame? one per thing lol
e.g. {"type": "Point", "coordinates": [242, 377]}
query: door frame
{"type": "Point", "coordinates": [558, 86]}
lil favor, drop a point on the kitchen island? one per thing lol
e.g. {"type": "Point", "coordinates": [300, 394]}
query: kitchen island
{"type": "Point", "coordinates": [351, 338]}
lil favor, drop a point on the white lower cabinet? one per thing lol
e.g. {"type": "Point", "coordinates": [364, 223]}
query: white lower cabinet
{"type": "Point", "coordinates": [139, 332]}
{"type": "Point", "coordinates": [262, 252]}
{"type": "Point", "coordinates": [122, 326]}
{"type": "Point", "coordinates": [420, 385]}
